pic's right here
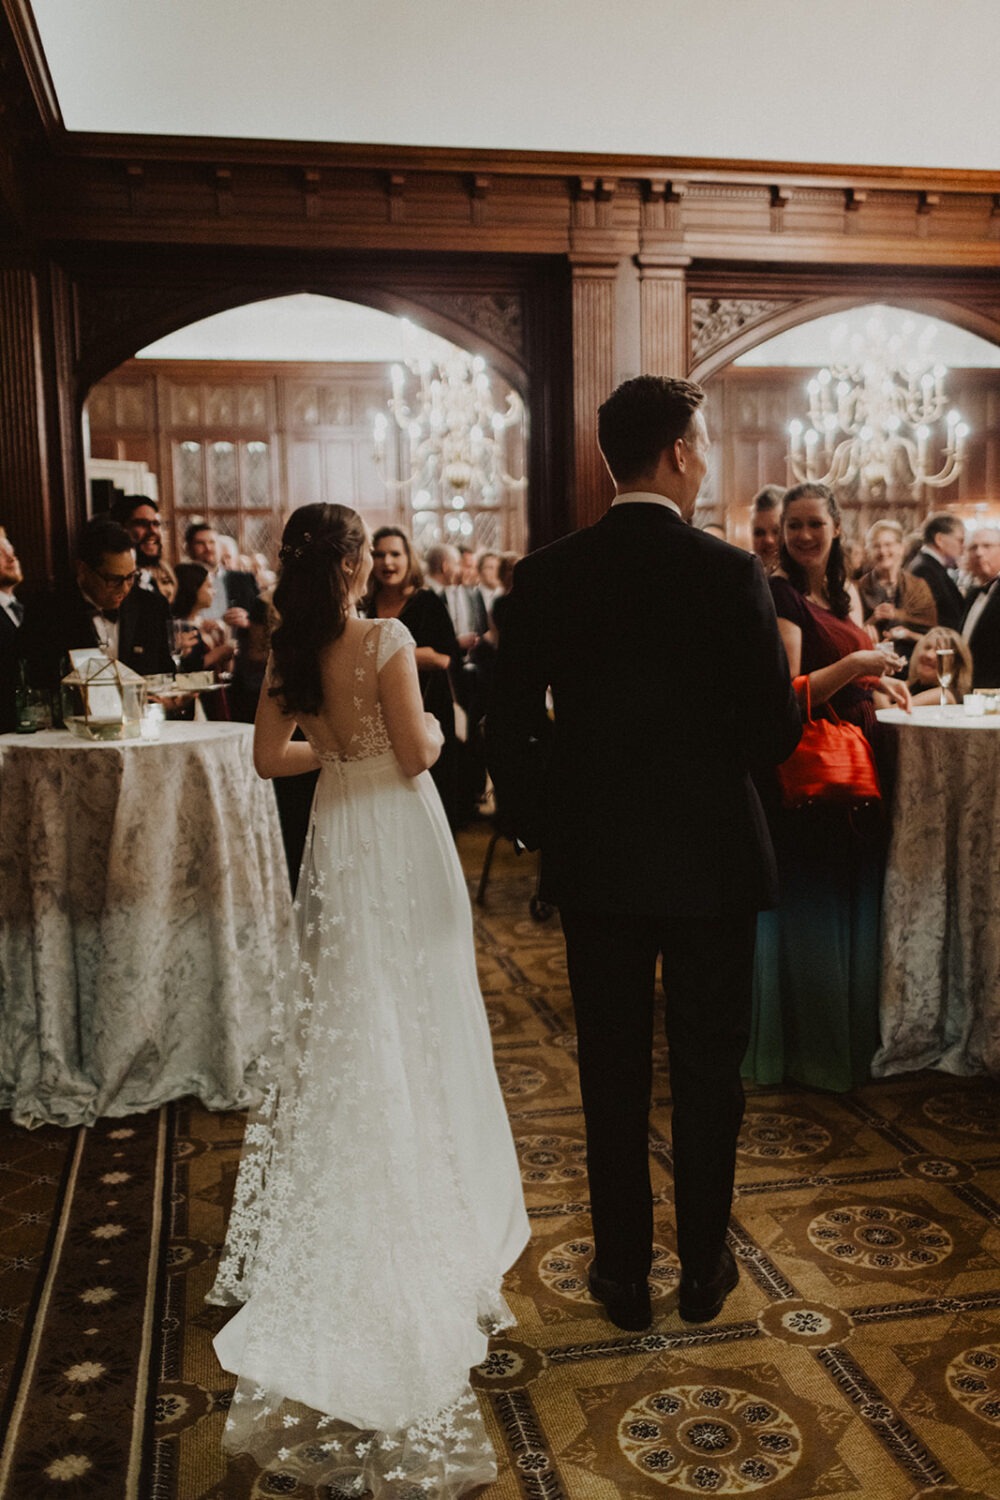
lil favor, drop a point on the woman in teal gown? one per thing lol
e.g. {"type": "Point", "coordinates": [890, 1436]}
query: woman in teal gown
{"type": "Point", "coordinates": [815, 1000]}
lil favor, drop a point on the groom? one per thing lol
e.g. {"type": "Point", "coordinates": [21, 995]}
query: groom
{"type": "Point", "coordinates": [670, 684]}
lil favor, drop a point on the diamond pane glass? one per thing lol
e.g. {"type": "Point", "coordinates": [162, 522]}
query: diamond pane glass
{"type": "Point", "coordinates": [223, 477]}
{"type": "Point", "coordinates": [189, 476]}
{"type": "Point", "coordinates": [260, 535]}
{"type": "Point", "coordinates": [487, 531]}
{"type": "Point", "coordinates": [258, 474]}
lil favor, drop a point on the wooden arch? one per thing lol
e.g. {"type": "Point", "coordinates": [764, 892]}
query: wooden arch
{"type": "Point", "coordinates": [970, 317]}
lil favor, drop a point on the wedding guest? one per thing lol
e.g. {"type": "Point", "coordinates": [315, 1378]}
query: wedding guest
{"type": "Point", "coordinates": [141, 518]}
{"type": "Point", "coordinates": [397, 592]}
{"type": "Point", "coordinates": [922, 678]}
{"type": "Point", "coordinates": [98, 606]}
{"type": "Point", "coordinates": [650, 831]}
{"type": "Point", "coordinates": [469, 565]}
{"type": "Point", "coordinates": [897, 605]}
{"type": "Point", "coordinates": [232, 592]}
{"type": "Point", "coordinates": [981, 622]}
{"type": "Point", "coordinates": [11, 619]}
{"type": "Point", "coordinates": [765, 525]}
{"type": "Point", "coordinates": [505, 582]}
{"type": "Point", "coordinates": [378, 1202]}
{"type": "Point", "coordinates": [234, 597]}
{"type": "Point", "coordinates": [489, 577]}
{"type": "Point", "coordinates": [815, 997]}
{"type": "Point", "coordinates": [193, 599]}
{"type": "Point", "coordinates": [937, 565]}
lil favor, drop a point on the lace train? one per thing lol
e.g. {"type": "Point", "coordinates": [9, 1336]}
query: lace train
{"type": "Point", "coordinates": [378, 1200]}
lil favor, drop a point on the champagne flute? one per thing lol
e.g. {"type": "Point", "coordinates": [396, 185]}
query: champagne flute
{"type": "Point", "coordinates": [945, 658]}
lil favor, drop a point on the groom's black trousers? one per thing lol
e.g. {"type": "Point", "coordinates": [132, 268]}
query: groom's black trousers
{"type": "Point", "coordinates": [707, 977]}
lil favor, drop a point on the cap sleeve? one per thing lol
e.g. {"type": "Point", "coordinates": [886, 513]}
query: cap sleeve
{"type": "Point", "coordinates": [788, 602]}
{"type": "Point", "coordinates": [392, 636]}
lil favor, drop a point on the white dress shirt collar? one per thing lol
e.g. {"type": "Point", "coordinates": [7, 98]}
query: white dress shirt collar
{"type": "Point", "coordinates": [13, 607]}
{"type": "Point", "coordinates": [645, 497]}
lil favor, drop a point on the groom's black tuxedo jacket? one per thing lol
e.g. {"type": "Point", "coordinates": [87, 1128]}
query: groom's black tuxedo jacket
{"type": "Point", "coordinates": [670, 684]}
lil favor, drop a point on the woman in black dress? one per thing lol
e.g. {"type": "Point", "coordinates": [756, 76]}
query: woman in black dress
{"type": "Point", "coordinates": [397, 592]}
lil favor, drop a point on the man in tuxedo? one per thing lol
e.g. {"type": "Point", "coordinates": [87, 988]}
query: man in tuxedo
{"type": "Point", "coordinates": [937, 564]}
{"type": "Point", "coordinates": [638, 791]}
{"type": "Point", "coordinates": [98, 606]}
{"type": "Point", "coordinates": [981, 626]}
{"type": "Point", "coordinates": [11, 618]}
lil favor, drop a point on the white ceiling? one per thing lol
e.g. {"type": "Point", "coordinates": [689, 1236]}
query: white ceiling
{"type": "Point", "coordinates": [303, 327]}
{"type": "Point", "coordinates": [307, 327]}
{"type": "Point", "coordinates": [812, 344]}
{"type": "Point", "coordinates": [856, 82]}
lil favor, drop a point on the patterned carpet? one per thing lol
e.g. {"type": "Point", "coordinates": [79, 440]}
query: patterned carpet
{"type": "Point", "coordinates": [859, 1356]}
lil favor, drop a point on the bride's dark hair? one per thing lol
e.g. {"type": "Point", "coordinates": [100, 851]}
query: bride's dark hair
{"type": "Point", "coordinates": [312, 598]}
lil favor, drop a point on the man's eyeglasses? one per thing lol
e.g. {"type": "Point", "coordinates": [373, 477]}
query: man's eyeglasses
{"type": "Point", "coordinates": [116, 580]}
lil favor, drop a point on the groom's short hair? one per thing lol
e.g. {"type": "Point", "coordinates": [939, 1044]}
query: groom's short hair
{"type": "Point", "coordinates": [641, 418]}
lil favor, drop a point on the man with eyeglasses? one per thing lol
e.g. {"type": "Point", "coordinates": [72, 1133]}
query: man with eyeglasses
{"type": "Point", "coordinates": [99, 606]}
{"type": "Point", "coordinates": [141, 518]}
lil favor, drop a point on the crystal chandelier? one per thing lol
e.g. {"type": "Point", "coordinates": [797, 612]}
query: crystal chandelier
{"type": "Point", "coordinates": [456, 436]}
{"type": "Point", "coordinates": [871, 415]}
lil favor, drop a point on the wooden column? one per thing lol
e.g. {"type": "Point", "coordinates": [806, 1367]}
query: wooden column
{"type": "Point", "coordinates": [24, 467]}
{"type": "Point", "coordinates": [594, 295]}
{"type": "Point", "coordinates": [663, 303]}
{"type": "Point", "coordinates": [41, 463]}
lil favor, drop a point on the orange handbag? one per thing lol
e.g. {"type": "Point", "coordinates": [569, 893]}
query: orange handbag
{"type": "Point", "coordinates": [832, 762]}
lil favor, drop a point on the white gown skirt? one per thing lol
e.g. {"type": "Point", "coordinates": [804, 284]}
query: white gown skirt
{"type": "Point", "coordinates": [378, 1201]}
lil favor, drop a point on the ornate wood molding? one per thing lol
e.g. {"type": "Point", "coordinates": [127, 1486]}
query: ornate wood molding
{"type": "Point", "coordinates": [716, 320]}
{"type": "Point", "coordinates": [494, 316]}
{"type": "Point", "coordinates": [349, 197]}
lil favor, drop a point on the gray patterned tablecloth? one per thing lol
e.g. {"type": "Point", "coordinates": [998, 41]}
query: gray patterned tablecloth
{"type": "Point", "coordinates": [940, 994]}
{"type": "Point", "coordinates": [143, 898]}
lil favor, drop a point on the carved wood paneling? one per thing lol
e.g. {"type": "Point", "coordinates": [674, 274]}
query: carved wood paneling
{"type": "Point", "coordinates": [663, 325]}
{"type": "Point", "coordinates": [497, 317]}
{"type": "Point", "coordinates": [24, 465]}
{"type": "Point", "coordinates": [593, 380]}
{"type": "Point", "coordinates": [716, 320]}
{"type": "Point", "coordinates": [332, 197]}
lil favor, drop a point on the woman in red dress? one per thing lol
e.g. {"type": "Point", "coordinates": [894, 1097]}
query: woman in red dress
{"type": "Point", "coordinates": [815, 1018]}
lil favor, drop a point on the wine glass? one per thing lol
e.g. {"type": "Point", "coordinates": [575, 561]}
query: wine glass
{"type": "Point", "coordinates": [178, 630]}
{"type": "Point", "coordinates": [945, 658]}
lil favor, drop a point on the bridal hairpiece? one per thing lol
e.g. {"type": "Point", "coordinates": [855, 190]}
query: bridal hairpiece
{"type": "Point", "coordinates": [307, 544]}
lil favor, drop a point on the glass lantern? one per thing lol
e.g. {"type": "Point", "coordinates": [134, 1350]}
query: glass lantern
{"type": "Point", "coordinates": [102, 699]}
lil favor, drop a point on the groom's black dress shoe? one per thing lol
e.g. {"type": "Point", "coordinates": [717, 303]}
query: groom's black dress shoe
{"type": "Point", "coordinates": [699, 1301]}
{"type": "Point", "coordinates": [625, 1302]}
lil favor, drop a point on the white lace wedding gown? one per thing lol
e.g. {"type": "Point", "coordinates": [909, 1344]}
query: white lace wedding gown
{"type": "Point", "coordinates": [378, 1201]}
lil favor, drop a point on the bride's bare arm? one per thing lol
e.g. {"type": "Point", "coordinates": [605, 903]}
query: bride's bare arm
{"type": "Point", "coordinates": [415, 735]}
{"type": "Point", "coordinates": [274, 753]}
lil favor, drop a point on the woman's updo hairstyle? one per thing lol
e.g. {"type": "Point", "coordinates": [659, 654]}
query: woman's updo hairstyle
{"type": "Point", "coordinates": [312, 598]}
{"type": "Point", "coordinates": [836, 568]}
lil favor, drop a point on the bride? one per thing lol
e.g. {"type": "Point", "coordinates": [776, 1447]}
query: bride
{"type": "Point", "coordinates": [378, 1201]}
